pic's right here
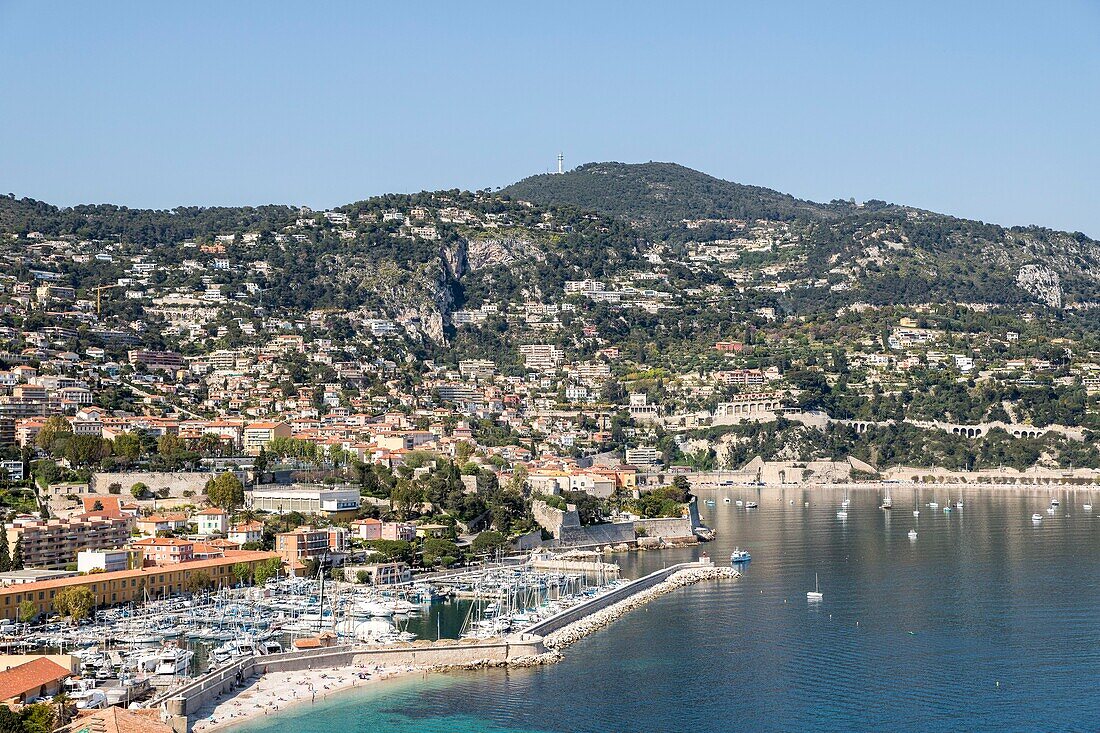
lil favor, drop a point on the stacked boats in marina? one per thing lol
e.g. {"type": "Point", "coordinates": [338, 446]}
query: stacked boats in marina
{"type": "Point", "coordinates": [127, 652]}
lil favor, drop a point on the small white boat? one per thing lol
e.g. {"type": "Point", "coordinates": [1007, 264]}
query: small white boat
{"type": "Point", "coordinates": [958, 505]}
{"type": "Point", "coordinates": [912, 534]}
{"type": "Point", "coordinates": [1036, 517]}
{"type": "Point", "coordinates": [740, 556]}
{"type": "Point", "coordinates": [933, 505]}
{"type": "Point", "coordinates": [726, 500]}
{"type": "Point", "coordinates": [1054, 502]}
{"type": "Point", "coordinates": [842, 514]}
{"type": "Point", "coordinates": [739, 502]}
{"type": "Point", "coordinates": [750, 505]}
{"type": "Point", "coordinates": [1050, 510]}
{"type": "Point", "coordinates": [916, 512]}
{"type": "Point", "coordinates": [815, 594]}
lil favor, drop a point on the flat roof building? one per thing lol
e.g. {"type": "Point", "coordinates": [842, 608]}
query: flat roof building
{"type": "Point", "coordinates": [285, 499]}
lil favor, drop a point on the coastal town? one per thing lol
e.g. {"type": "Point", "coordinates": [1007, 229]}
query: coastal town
{"type": "Point", "coordinates": [281, 435]}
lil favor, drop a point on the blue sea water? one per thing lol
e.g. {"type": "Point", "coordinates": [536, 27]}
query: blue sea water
{"type": "Point", "coordinates": [986, 622]}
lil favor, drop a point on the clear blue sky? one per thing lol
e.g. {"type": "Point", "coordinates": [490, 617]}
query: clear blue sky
{"type": "Point", "coordinates": [986, 110]}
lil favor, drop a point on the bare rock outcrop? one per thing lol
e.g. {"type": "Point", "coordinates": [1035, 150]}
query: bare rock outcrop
{"type": "Point", "coordinates": [1041, 282]}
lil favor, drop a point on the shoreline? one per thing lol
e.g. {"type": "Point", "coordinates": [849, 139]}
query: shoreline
{"type": "Point", "coordinates": [274, 693]}
{"type": "Point", "coordinates": [278, 692]}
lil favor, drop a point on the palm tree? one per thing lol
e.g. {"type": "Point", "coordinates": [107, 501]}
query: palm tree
{"type": "Point", "coordinates": [66, 708]}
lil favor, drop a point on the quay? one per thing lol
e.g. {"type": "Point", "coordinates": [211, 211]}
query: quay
{"type": "Point", "coordinates": [537, 644]}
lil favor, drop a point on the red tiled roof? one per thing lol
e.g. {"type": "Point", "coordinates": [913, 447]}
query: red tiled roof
{"type": "Point", "coordinates": [118, 720]}
{"type": "Point", "coordinates": [231, 556]}
{"type": "Point", "coordinates": [29, 677]}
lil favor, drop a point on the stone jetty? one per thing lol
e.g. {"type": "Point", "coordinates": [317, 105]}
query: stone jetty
{"type": "Point", "coordinates": [597, 620]}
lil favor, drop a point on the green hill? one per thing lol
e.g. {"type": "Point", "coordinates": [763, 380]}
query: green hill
{"type": "Point", "coordinates": [662, 192]}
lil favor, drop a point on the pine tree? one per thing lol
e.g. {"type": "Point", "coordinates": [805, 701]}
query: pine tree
{"type": "Point", "coordinates": [17, 555]}
{"type": "Point", "coordinates": [5, 556]}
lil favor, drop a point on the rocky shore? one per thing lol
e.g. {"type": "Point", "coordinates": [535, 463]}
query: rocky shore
{"type": "Point", "coordinates": [598, 620]}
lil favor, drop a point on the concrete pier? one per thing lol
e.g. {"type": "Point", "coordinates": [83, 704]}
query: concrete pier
{"type": "Point", "coordinates": [538, 644]}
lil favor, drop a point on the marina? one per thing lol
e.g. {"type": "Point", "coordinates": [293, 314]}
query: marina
{"type": "Point", "coordinates": [128, 654]}
{"type": "Point", "coordinates": [984, 614]}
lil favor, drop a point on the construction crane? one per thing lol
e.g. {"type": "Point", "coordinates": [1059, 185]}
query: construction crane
{"type": "Point", "coordinates": [98, 296]}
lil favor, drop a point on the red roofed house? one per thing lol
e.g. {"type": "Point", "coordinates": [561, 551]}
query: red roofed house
{"type": "Point", "coordinates": [212, 521]}
{"type": "Point", "coordinates": [31, 680]}
{"type": "Point", "coordinates": [259, 434]}
{"type": "Point", "coordinates": [367, 529]}
{"type": "Point", "coordinates": [161, 523]}
{"type": "Point", "coordinates": [165, 550]}
{"type": "Point", "coordinates": [248, 532]}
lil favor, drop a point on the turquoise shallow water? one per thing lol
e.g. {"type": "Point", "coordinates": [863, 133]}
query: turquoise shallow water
{"type": "Point", "coordinates": [986, 622]}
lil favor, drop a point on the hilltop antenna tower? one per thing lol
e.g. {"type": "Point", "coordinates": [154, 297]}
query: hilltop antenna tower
{"type": "Point", "coordinates": [560, 159]}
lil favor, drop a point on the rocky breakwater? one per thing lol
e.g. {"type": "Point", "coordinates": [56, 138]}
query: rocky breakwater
{"type": "Point", "coordinates": [535, 660]}
{"type": "Point", "coordinates": [589, 624]}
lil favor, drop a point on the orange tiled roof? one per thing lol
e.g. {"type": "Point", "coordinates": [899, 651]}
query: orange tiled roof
{"type": "Point", "coordinates": [118, 720]}
{"type": "Point", "coordinates": [30, 676]}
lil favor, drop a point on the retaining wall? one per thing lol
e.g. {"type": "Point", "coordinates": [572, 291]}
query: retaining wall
{"type": "Point", "coordinates": [175, 481]}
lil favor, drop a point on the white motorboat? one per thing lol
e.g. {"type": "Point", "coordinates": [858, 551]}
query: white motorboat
{"type": "Point", "coordinates": [815, 594]}
{"type": "Point", "coordinates": [90, 699]}
{"type": "Point", "coordinates": [740, 556]}
{"type": "Point", "coordinates": [1054, 502]}
{"type": "Point", "coordinates": [842, 514]}
{"type": "Point", "coordinates": [1036, 517]}
{"type": "Point", "coordinates": [726, 500]}
{"type": "Point", "coordinates": [750, 505]}
{"type": "Point", "coordinates": [173, 661]}
{"type": "Point", "coordinates": [912, 534]}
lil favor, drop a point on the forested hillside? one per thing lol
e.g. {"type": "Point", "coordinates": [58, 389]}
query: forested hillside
{"type": "Point", "coordinates": [663, 192]}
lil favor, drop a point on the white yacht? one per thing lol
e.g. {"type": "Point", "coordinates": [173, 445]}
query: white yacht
{"type": "Point", "coordinates": [1036, 517]}
{"type": "Point", "coordinates": [173, 661]}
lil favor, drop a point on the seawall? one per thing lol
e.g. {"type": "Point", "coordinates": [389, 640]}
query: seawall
{"type": "Point", "coordinates": [538, 644]}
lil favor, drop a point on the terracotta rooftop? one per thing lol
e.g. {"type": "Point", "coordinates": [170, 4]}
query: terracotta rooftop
{"type": "Point", "coordinates": [118, 720]}
{"type": "Point", "coordinates": [29, 677]}
{"type": "Point", "coordinates": [230, 557]}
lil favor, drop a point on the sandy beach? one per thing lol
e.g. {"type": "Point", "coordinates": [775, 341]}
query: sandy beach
{"type": "Point", "coordinates": [278, 691]}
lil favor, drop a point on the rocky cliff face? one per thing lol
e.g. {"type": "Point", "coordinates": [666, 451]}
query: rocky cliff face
{"type": "Point", "coordinates": [1041, 282]}
{"type": "Point", "coordinates": [504, 251]}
